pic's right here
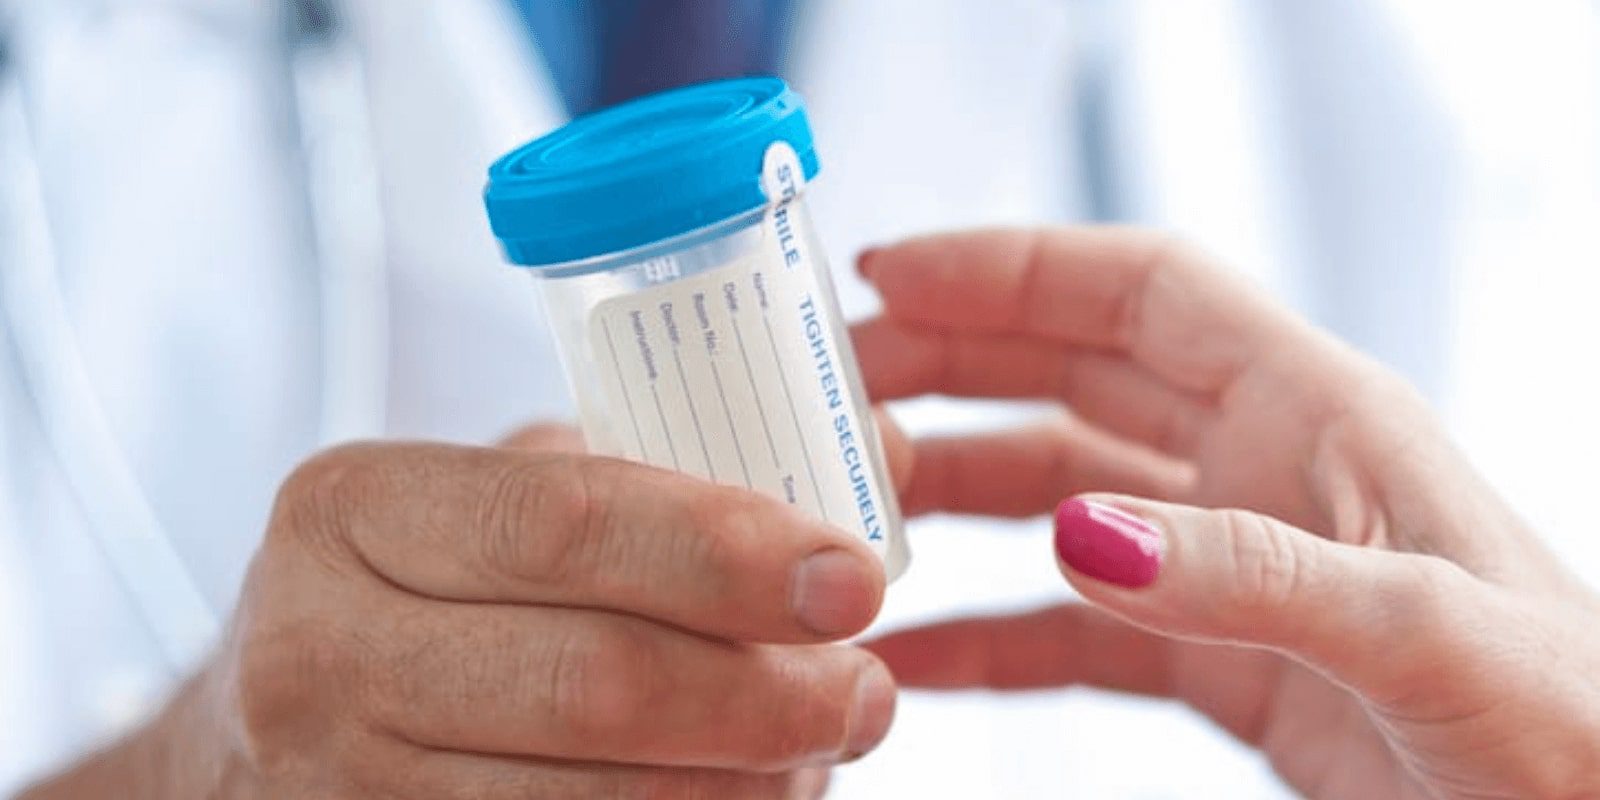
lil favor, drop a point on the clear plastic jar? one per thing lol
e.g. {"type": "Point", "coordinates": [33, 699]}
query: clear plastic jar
{"type": "Point", "coordinates": [692, 302]}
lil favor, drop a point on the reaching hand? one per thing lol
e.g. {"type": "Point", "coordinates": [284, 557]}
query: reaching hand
{"type": "Point", "coordinates": [1294, 548]}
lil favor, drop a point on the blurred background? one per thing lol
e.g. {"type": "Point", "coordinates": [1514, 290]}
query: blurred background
{"type": "Point", "coordinates": [233, 230]}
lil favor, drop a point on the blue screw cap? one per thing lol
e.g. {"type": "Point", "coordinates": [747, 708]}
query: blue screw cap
{"type": "Point", "coordinates": [643, 171]}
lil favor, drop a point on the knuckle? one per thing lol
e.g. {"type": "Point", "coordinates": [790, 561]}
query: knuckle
{"type": "Point", "coordinates": [1176, 253]}
{"type": "Point", "coordinates": [1174, 257]}
{"type": "Point", "coordinates": [1390, 386]}
{"type": "Point", "coordinates": [1428, 594]}
{"type": "Point", "coordinates": [721, 517]}
{"type": "Point", "coordinates": [1440, 619]}
{"type": "Point", "coordinates": [810, 718]}
{"type": "Point", "coordinates": [1357, 396]}
{"type": "Point", "coordinates": [1267, 566]}
{"type": "Point", "coordinates": [599, 681]}
{"type": "Point", "coordinates": [540, 521]}
{"type": "Point", "coordinates": [1175, 431]}
{"type": "Point", "coordinates": [1168, 260]}
{"type": "Point", "coordinates": [719, 510]}
{"type": "Point", "coordinates": [1376, 394]}
{"type": "Point", "coordinates": [1165, 253]}
{"type": "Point", "coordinates": [285, 682]}
{"type": "Point", "coordinates": [334, 473]}
{"type": "Point", "coordinates": [326, 489]}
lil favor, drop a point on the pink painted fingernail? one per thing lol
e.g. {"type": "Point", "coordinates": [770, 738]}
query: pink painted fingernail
{"type": "Point", "coordinates": [1107, 544]}
{"type": "Point", "coordinates": [864, 261]}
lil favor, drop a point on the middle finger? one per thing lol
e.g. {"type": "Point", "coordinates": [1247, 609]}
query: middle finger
{"type": "Point", "coordinates": [901, 359]}
{"type": "Point", "coordinates": [1022, 472]}
{"type": "Point", "coordinates": [595, 686]}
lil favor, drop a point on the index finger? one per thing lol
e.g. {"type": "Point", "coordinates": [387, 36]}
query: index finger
{"type": "Point", "coordinates": [1123, 290]}
{"type": "Point", "coordinates": [498, 526]}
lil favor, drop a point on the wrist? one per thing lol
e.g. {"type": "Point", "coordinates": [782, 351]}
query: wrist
{"type": "Point", "coordinates": [177, 755]}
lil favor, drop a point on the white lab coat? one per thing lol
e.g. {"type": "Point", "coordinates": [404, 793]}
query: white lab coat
{"type": "Point", "coordinates": [173, 211]}
{"type": "Point", "coordinates": [172, 197]}
{"type": "Point", "coordinates": [172, 202]}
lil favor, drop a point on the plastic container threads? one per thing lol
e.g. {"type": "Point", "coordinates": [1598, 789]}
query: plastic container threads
{"type": "Point", "coordinates": [692, 303]}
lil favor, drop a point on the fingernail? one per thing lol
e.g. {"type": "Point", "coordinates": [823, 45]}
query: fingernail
{"type": "Point", "coordinates": [833, 593]}
{"type": "Point", "coordinates": [872, 712]}
{"type": "Point", "coordinates": [1107, 543]}
{"type": "Point", "coordinates": [864, 261]}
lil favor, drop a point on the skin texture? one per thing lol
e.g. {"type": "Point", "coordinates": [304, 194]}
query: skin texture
{"type": "Point", "coordinates": [1336, 586]}
{"type": "Point", "coordinates": [428, 621]}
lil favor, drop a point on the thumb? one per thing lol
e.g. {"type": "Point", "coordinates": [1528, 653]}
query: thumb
{"type": "Point", "coordinates": [1371, 619]}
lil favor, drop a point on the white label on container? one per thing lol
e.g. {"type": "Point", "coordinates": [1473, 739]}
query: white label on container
{"type": "Point", "coordinates": [734, 375]}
